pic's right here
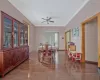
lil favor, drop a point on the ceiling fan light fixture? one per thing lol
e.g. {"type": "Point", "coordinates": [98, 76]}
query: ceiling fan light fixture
{"type": "Point", "coordinates": [47, 20]}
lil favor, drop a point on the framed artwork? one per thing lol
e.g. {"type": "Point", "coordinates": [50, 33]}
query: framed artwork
{"type": "Point", "coordinates": [75, 32]}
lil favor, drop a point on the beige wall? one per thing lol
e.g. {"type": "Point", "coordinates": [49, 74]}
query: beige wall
{"type": "Point", "coordinates": [41, 39]}
{"type": "Point", "coordinates": [91, 41]}
{"type": "Point", "coordinates": [32, 39]}
{"type": "Point", "coordinates": [90, 9]}
{"type": "Point", "coordinates": [8, 8]}
{"type": "Point", "coordinates": [77, 40]}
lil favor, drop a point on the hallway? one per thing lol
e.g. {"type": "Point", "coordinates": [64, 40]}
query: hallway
{"type": "Point", "coordinates": [62, 70]}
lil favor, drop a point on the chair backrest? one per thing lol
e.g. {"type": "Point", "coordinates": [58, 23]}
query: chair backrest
{"type": "Point", "coordinates": [78, 55]}
{"type": "Point", "coordinates": [46, 48]}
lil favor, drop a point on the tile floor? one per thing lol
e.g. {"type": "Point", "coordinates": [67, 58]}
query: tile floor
{"type": "Point", "coordinates": [61, 70]}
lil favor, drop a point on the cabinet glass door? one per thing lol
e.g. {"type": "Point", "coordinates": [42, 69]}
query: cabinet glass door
{"type": "Point", "coordinates": [15, 34]}
{"type": "Point", "coordinates": [26, 35]}
{"type": "Point", "coordinates": [22, 35]}
{"type": "Point", "coordinates": [7, 43]}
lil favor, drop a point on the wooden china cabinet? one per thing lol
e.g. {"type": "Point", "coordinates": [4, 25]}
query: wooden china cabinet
{"type": "Point", "coordinates": [14, 43]}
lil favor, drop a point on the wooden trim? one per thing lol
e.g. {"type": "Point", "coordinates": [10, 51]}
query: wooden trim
{"type": "Point", "coordinates": [19, 34]}
{"type": "Point", "coordinates": [83, 36]}
{"type": "Point", "coordinates": [91, 18]}
{"type": "Point", "coordinates": [12, 35]}
{"type": "Point", "coordinates": [98, 18]}
{"type": "Point", "coordinates": [83, 43]}
{"type": "Point", "coordinates": [91, 62]}
{"type": "Point", "coordinates": [65, 41]}
{"type": "Point", "coordinates": [2, 19]}
{"type": "Point", "coordinates": [28, 34]}
{"type": "Point", "coordinates": [1, 62]}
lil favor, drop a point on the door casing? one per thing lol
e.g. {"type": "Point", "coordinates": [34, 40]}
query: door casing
{"type": "Point", "coordinates": [83, 36]}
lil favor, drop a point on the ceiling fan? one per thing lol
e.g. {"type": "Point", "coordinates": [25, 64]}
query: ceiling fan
{"type": "Point", "coordinates": [47, 20]}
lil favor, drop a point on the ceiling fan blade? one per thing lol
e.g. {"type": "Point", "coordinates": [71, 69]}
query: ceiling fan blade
{"type": "Point", "coordinates": [50, 18]}
{"type": "Point", "coordinates": [51, 21]}
{"type": "Point", "coordinates": [43, 21]}
{"type": "Point", "coordinates": [43, 18]}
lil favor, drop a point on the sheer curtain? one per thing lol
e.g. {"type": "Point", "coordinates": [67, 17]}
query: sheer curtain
{"type": "Point", "coordinates": [52, 38]}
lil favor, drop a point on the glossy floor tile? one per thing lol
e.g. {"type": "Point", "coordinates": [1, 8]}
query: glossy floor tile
{"type": "Point", "coordinates": [62, 69]}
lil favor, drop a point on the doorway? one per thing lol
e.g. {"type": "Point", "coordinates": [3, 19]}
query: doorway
{"type": "Point", "coordinates": [52, 38]}
{"type": "Point", "coordinates": [67, 39]}
{"type": "Point", "coordinates": [91, 41]}
{"type": "Point", "coordinates": [97, 17]}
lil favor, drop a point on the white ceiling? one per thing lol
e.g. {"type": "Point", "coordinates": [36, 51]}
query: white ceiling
{"type": "Point", "coordinates": [62, 11]}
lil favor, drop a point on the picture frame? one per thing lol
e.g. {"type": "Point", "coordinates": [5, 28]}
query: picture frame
{"type": "Point", "coordinates": [75, 32]}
